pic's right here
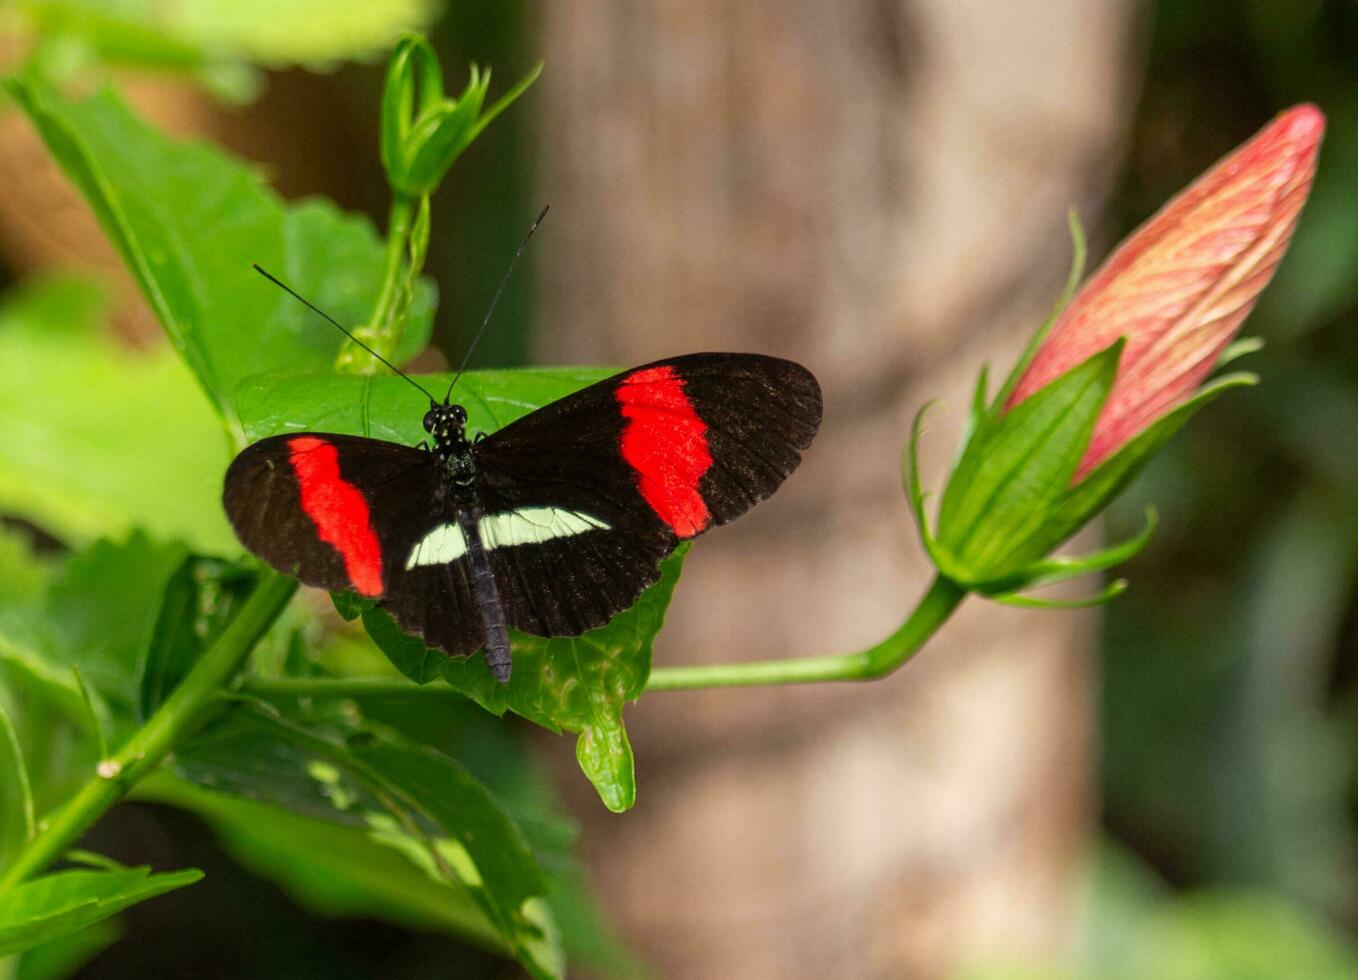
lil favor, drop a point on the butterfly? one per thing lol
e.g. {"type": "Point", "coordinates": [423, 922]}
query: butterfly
{"type": "Point", "coordinates": [550, 525]}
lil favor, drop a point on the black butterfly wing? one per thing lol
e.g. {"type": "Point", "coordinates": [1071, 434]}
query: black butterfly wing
{"type": "Point", "coordinates": [344, 512]}
{"type": "Point", "coordinates": [591, 491]}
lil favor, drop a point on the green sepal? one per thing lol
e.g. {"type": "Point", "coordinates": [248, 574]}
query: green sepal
{"type": "Point", "coordinates": [1062, 567]}
{"type": "Point", "coordinates": [978, 415]}
{"type": "Point", "coordinates": [1239, 348]}
{"type": "Point", "coordinates": [1016, 469]}
{"type": "Point", "coordinates": [1073, 277]}
{"type": "Point", "coordinates": [914, 489]}
{"type": "Point", "coordinates": [413, 88]}
{"type": "Point", "coordinates": [1114, 589]}
{"type": "Point", "coordinates": [440, 139]}
{"type": "Point", "coordinates": [1094, 492]}
{"type": "Point", "coordinates": [422, 131]}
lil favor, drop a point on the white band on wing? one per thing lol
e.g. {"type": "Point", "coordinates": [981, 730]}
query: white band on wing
{"type": "Point", "coordinates": [527, 525]}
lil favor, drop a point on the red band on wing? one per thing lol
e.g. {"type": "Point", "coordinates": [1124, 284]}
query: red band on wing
{"type": "Point", "coordinates": [338, 510]}
{"type": "Point", "coordinates": [665, 442]}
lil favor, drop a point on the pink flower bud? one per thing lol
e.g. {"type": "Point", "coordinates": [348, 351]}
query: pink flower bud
{"type": "Point", "coordinates": [1181, 285]}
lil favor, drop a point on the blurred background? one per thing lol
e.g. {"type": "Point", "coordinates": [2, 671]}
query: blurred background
{"type": "Point", "coordinates": [1168, 787]}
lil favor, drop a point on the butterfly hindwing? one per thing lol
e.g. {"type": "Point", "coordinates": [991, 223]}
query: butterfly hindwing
{"type": "Point", "coordinates": [435, 603]}
{"type": "Point", "coordinates": [575, 583]}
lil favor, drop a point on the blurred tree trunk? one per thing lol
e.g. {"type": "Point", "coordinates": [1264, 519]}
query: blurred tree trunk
{"type": "Point", "coordinates": [877, 190]}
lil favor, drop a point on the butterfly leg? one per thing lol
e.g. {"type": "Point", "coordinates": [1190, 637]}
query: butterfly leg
{"type": "Point", "coordinates": [487, 595]}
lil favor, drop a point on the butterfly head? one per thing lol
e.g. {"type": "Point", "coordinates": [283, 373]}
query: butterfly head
{"type": "Point", "coordinates": [446, 423]}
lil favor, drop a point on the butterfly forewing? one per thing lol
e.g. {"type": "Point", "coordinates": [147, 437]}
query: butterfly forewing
{"type": "Point", "coordinates": [656, 455]}
{"type": "Point", "coordinates": [343, 513]}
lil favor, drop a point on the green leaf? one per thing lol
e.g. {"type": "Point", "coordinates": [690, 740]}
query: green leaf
{"type": "Point", "coordinates": [213, 41]}
{"type": "Point", "coordinates": [99, 614]}
{"type": "Point", "coordinates": [23, 575]}
{"type": "Point", "coordinates": [53, 737]}
{"type": "Point", "coordinates": [315, 33]}
{"type": "Point", "coordinates": [350, 605]}
{"type": "Point", "coordinates": [409, 797]}
{"type": "Point", "coordinates": [137, 446]}
{"type": "Point", "coordinates": [406, 653]}
{"type": "Point", "coordinates": [63, 958]}
{"type": "Point", "coordinates": [498, 755]}
{"type": "Point", "coordinates": [101, 610]}
{"type": "Point", "coordinates": [581, 684]}
{"type": "Point", "coordinates": [189, 221]}
{"type": "Point", "coordinates": [341, 871]}
{"type": "Point", "coordinates": [200, 599]}
{"type": "Point", "coordinates": [55, 905]}
{"type": "Point", "coordinates": [1139, 927]}
{"type": "Point", "coordinates": [335, 869]}
{"type": "Point", "coordinates": [93, 718]}
{"type": "Point", "coordinates": [19, 799]}
{"type": "Point", "coordinates": [386, 407]}
{"type": "Point", "coordinates": [484, 848]}
{"type": "Point", "coordinates": [577, 684]}
{"type": "Point", "coordinates": [995, 512]}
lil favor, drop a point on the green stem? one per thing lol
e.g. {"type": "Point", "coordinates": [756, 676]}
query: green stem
{"type": "Point", "coordinates": [933, 610]}
{"type": "Point", "coordinates": [399, 223]}
{"type": "Point", "coordinates": [343, 687]}
{"type": "Point", "coordinates": [181, 713]}
{"type": "Point", "coordinates": [377, 332]}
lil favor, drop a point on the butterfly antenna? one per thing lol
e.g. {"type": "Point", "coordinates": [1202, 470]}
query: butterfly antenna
{"type": "Point", "coordinates": [484, 323]}
{"type": "Point", "coordinates": [336, 324]}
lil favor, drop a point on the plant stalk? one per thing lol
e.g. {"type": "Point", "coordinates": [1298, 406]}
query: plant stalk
{"type": "Point", "coordinates": [943, 597]}
{"type": "Point", "coordinates": [376, 333]}
{"type": "Point", "coordinates": [181, 713]}
{"type": "Point", "coordinates": [933, 610]}
{"type": "Point", "coordinates": [399, 223]}
{"type": "Point", "coordinates": [344, 687]}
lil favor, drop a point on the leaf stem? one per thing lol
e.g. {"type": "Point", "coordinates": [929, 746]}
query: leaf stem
{"type": "Point", "coordinates": [344, 687]}
{"type": "Point", "coordinates": [933, 610]}
{"type": "Point", "coordinates": [177, 717]}
{"type": "Point", "coordinates": [399, 223]}
{"type": "Point", "coordinates": [377, 332]}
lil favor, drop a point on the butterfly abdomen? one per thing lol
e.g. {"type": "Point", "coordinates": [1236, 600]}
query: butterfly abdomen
{"type": "Point", "coordinates": [486, 594]}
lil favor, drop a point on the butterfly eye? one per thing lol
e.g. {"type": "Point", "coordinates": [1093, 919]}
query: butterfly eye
{"type": "Point", "coordinates": [459, 415]}
{"type": "Point", "coordinates": [430, 418]}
